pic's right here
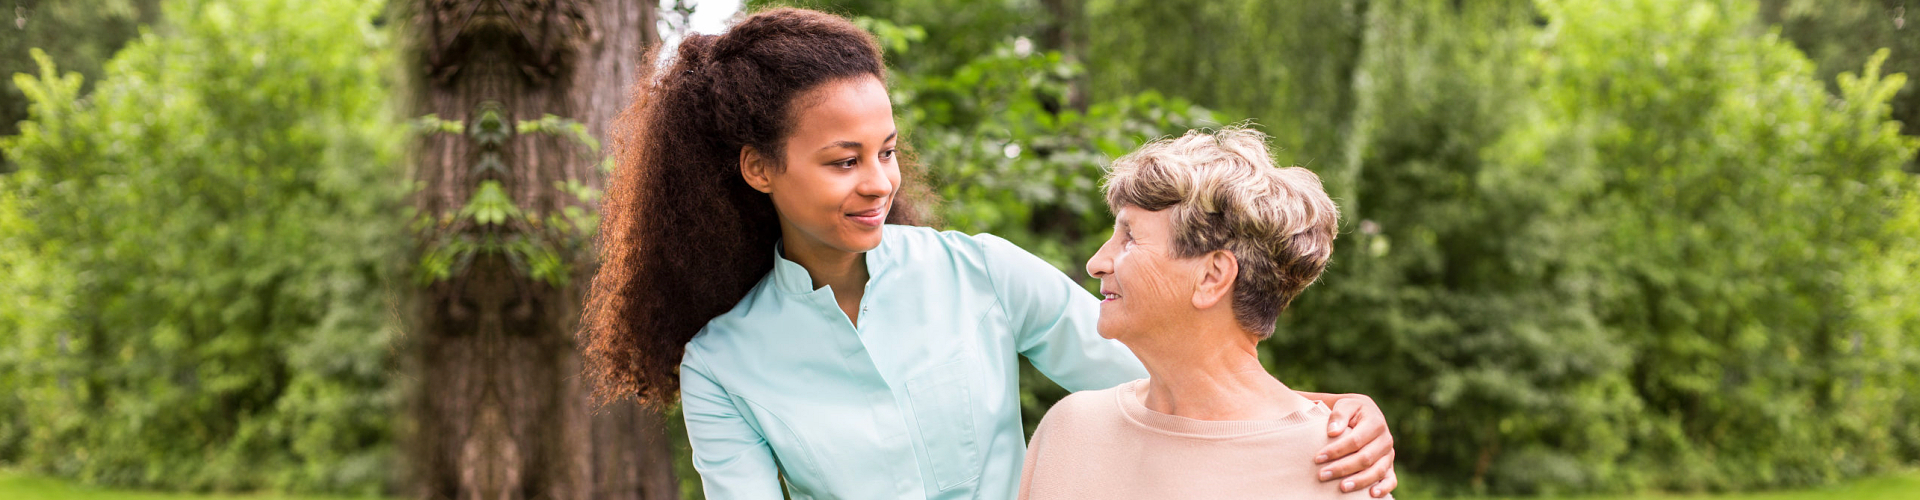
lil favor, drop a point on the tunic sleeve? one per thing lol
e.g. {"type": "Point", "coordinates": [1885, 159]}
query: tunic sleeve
{"type": "Point", "coordinates": [1054, 320]}
{"type": "Point", "coordinates": [732, 457]}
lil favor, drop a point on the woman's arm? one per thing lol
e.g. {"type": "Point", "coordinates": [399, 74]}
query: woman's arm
{"type": "Point", "coordinates": [732, 457]}
{"type": "Point", "coordinates": [1361, 456]}
{"type": "Point", "coordinates": [1054, 320]}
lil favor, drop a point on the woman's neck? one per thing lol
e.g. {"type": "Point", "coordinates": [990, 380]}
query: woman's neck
{"type": "Point", "coordinates": [845, 271]}
{"type": "Point", "coordinates": [827, 266]}
{"type": "Point", "coordinates": [1215, 375]}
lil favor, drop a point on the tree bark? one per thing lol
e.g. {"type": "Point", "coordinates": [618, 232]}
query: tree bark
{"type": "Point", "coordinates": [498, 408]}
{"type": "Point", "coordinates": [1060, 33]}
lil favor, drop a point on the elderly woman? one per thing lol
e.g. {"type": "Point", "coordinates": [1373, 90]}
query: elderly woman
{"type": "Point", "coordinates": [1210, 244]}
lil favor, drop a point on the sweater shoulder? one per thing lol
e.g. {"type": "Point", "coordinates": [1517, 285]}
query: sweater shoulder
{"type": "Point", "coordinates": [1094, 411]}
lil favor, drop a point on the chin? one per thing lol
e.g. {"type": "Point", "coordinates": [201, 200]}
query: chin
{"type": "Point", "coordinates": [862, 241]}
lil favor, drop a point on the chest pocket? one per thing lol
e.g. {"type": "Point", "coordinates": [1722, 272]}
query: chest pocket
{"type": "Point", "coordinates": [942, 402]}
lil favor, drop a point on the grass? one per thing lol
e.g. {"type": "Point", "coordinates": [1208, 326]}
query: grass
{"type": "Point", "coordinates": [15, 485]}
{"type": "Point", "coordinates": [1902, 486]}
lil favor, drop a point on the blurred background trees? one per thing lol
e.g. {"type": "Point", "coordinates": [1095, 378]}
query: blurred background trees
{"type": "Point", "coordinates": [1588, 245]}
{"type": "Point", "coordinates": [1834, 34]}
{"type": "Point", "coordinates": [197, 250]}
{"type": "Point", "coordinates": [80, 34]}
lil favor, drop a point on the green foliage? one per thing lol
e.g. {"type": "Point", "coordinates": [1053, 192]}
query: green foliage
{"type": "Point", "coordinates": [15, 484]}
{"type": "Point", "coordinates": [1009, 153]}
{"type": "Point", "coordinates": [1743, 205]}
{"type": "Point", "coordinates": [1289, 66]}
{"type": "Point", "coordinates": [200, 245]}
{"type": "Point", "coordinates": [1454, 273]}
{"type": "Point", "coordinates": [81, 34]}
{"type": "Point", "coordinates": [1839, 35]}
{"type": "Point", "coordinates": [1597, 265]}
{"type": "Point", "coordinates": [962, 30]}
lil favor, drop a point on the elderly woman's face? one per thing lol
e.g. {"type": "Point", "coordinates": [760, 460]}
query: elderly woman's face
{"type": "Point", "coordinates": [1144, 287]}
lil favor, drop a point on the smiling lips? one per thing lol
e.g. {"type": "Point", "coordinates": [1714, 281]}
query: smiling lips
{"type": "Point", "coordinates": [1107, 296]}
{"type": "Point", "coordinates": [869, 218]}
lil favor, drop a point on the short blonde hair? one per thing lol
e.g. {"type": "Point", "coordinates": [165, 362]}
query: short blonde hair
{"type": "Point", "coordinates": [1226, 194]}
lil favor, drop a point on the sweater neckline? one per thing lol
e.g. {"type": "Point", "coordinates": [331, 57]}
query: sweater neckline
{"type": "Point", "coordinates": [1129, 401]}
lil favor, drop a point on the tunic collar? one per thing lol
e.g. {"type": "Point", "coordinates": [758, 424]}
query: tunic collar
{"type": "Point", "coordinates": [791, 278]}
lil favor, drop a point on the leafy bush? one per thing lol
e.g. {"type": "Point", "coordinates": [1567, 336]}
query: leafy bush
{"type": "Point", "coordinates": [200, 245]}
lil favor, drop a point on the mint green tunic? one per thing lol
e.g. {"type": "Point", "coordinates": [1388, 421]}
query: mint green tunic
{"type": "Point", "coordinates": [922, 400]}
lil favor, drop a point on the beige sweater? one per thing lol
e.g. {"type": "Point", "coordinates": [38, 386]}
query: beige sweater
{"type": "Point", "coordinates": [1105, 444]}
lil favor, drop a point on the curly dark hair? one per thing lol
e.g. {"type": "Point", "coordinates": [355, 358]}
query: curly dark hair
{"type": "Point", "coordinates": [684, 238]}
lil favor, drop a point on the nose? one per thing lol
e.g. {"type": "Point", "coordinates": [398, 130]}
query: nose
{"type": "Point", "coordinates": [1101, 264]}
{"type": "Point", "coordinates": [875, 182]}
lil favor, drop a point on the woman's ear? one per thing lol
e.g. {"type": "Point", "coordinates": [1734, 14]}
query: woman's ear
{"type": "Point", "coordinates": [756, 169]}
{"type": "Point", "coordinates": [1220, 268]}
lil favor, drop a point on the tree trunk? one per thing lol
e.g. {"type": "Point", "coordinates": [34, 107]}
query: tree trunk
{"type": "Point", "coordinates": [1060, 33]}
{"type": "Point", "coordinates": [499, 409]}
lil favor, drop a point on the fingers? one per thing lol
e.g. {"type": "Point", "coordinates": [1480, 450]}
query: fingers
{"type": "Point", "coordinates": [1361, 455]}
{"type": "Point", "coordinates": [1387, 485]}
{"type": "Point", "coordinates": [1363, 468]}
{"type": "Point", "coordinates": [1369, 430]}
{"type": "Point", "coordinates": [1369, 477]}
{"type": "Point", "coordinates": [1344, 410]}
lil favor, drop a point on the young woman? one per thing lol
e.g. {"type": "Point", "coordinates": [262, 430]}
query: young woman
{"type": "Point", "coordinates": [761, 260]}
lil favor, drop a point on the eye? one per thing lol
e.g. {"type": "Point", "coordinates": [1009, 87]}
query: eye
{"type": "Point", "coordinates": [847, 163]}
{"type": "Point", "coordinates": [888, 154]}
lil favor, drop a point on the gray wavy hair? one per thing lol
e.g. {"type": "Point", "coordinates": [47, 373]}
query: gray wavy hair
{"type": "Point", "coordinates": [1226, 194]}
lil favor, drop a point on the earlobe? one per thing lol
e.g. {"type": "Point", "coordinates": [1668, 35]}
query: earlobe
{"type": "Point", "coordinates": [753, 169]}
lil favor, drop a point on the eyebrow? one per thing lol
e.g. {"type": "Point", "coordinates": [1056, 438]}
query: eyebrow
{"type": "Point", "coordinates": [856, 145]}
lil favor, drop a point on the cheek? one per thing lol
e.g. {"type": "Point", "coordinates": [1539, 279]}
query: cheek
{"type": "Point", "coordinates": [805, 197]}
{"type": "Point", "coordinates": [1150, 280]}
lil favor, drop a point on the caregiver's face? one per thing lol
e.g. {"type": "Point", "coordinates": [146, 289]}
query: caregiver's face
{"type": "Point", "coordinates": [1143, 286]}
{"type": "Point", "coordinates": [839, 171]}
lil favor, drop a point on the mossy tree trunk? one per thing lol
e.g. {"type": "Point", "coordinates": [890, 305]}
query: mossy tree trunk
{"type": "Point", "coordinates": [499, 409]}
